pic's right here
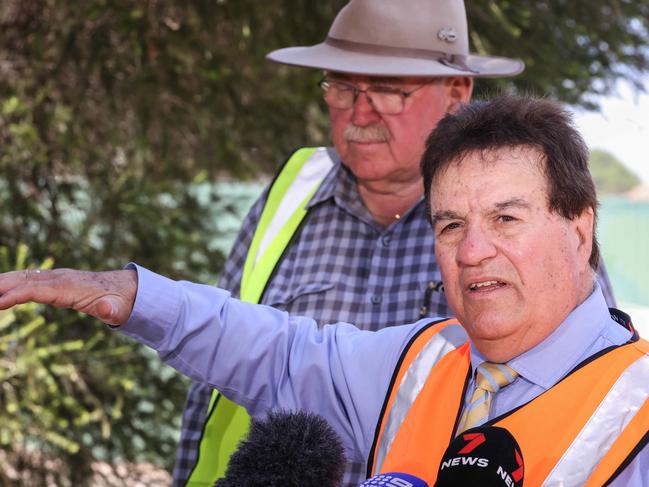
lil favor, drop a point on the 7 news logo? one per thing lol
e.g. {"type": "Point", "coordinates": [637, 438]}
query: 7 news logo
{"type": "Point", "coordinates": [473, 441]}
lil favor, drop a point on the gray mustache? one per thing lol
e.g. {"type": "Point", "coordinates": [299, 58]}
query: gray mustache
{"type": "Point", "coordinates": [368, 133]}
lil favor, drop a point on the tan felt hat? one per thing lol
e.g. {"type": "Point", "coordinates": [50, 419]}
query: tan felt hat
{"type": "Point", "coordinates": [399, 38]}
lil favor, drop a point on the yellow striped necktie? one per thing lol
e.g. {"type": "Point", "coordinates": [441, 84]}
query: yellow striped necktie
{"type": "Point", "coordinates": [489, 379]}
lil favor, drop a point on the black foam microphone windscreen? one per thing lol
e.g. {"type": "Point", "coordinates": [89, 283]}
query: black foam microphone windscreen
{"type": "Point", "coordinates": [488, 456]}
{"type": "Point", "coordinates": [288, 449]}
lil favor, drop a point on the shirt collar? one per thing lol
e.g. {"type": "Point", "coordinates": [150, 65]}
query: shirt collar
{"type": "Point", "coordinates": [340, 185]}
{"type": "Point", "coordinates": [560, 352]}
{"type": "Point", "coordinates": [328, 188]}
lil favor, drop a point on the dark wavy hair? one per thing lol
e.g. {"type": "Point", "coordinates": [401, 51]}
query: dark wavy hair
{"type": "Point", "coordinates": [515, 121]}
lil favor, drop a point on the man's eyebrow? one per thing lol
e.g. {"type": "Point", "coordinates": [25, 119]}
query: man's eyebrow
{"type": "Point", "coordinates": [438, 216]}
{"type": "Point", "coordinates": [512, 203]}
{"type": "Point", "coordinates": [443, 215]}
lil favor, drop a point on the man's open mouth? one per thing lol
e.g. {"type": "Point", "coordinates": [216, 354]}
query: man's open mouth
{"type": "Point", "coordinates": [486, 285]}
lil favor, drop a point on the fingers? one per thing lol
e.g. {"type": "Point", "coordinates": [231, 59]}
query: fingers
{"type": "Point", "coordinates": [11, 298]}
{"type": "Point", "coordinates": [14, 288]}
{"type": "Point", "coordinates": [108, 296]}
{"type": "Point", "coordinates": [41, 286]}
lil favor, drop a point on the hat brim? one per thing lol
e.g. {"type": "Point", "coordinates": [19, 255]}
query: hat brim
{"type": "Point", "coordinates": [329, 58]}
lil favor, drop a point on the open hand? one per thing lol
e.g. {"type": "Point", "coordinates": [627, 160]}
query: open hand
{"type": "Point", "coordinates": [108, 296]}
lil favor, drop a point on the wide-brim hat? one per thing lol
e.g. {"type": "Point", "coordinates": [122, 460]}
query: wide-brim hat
{"type": "Point", "coordinates": [399, 38]}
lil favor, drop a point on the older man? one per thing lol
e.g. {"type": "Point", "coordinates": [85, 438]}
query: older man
{"type": "Point", "coordinates": [535, 349]}
{"type": "Point", "coordinates": [342, 235]}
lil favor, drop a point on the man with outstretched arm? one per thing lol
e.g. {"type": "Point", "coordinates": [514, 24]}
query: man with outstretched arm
{"type": "Point", "coordinates": [341, 233]}
{"type": "Point", "coordinates": [513, 210]}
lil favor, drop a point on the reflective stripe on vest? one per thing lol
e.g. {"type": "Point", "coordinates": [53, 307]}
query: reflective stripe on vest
{"type": "Point", "coordinates": [596, 439]}
{"type": "Point", "coordinates": [283, 212]}
{"type": "Point", "coordinates": [445, 340]}
{"type": "Point", "coordinates": [579, 432]}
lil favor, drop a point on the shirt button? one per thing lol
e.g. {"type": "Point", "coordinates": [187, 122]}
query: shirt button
{"type": "Point", "coordinates": [376, 299]}
{"type": "Point", "coordinates": [386, 240]}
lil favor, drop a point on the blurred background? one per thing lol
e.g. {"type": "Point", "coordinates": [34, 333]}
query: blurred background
{"type": "Point", "coordinates": [143, 130]}
{"type": "Point", "coordinates": [618, 133]}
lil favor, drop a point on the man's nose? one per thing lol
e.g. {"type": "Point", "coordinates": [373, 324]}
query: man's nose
{"type": "Point", "coordinates": [475, 246]}
{"type": "Point", "coordinates": [363, 110]}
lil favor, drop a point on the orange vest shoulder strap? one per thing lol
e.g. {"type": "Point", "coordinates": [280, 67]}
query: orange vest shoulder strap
{"type": "Point", "coordinates": [436, 339]}
{"type": "Point", "coordinates": [634, 437]}
{"type": "Point", "coordinates": [431, 421]}
{"type": "Point", "coordinates": [558, 426]}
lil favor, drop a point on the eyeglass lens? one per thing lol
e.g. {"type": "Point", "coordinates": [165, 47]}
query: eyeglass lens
{"type": "Point", "coordinates": [384, 99]}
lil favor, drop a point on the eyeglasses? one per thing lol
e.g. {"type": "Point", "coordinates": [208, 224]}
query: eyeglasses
{"type": "Point", "coordinates": [385, 99]}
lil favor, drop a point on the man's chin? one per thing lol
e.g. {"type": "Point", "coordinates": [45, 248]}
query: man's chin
{"type": "Point", "coordinates": [489, 327]}
{"type": "Point", "coordinates": [365, 160]}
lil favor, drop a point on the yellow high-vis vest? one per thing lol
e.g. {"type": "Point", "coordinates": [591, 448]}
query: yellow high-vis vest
{"type": "Point", "coordinates": [283, 212]}
{"type": "Point", "coordinates": [580, 432]}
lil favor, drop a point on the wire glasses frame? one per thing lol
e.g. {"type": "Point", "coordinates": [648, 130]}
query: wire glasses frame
{"type": "Point", "coordinates": [387, 100]}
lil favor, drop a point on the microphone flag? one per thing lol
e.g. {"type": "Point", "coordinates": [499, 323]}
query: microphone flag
{"type": "Point", "coordinates": [488, 456]}
{"type": "Point", "coordinates": [394, 479]}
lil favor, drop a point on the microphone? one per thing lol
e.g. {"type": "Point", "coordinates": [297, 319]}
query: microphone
{"type": "Point", "coordinates": [488, 456]}
{"type": "Point", "coordinates": [394, 479]}
{"type": "Point", "coordinates": [292, 449]}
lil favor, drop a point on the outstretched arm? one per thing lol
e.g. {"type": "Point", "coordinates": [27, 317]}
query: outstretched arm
{"type": "Point", "coordinates": [262, 358]}
{"type": "Point", "coordinates": [108, 296]}
{"type": "Point", "coordinates": [256, 355]}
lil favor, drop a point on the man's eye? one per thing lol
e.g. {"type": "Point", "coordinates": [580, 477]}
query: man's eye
{"type": "Point", "coordinates": [450, 227]}
{"type": "Point", "coordinates": [506, 218]}
{"type": "Point", "coordinates": [342, 88]}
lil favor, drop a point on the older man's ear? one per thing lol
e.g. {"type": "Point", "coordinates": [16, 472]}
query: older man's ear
{"type": "Point", "coordinates": [460, 90]}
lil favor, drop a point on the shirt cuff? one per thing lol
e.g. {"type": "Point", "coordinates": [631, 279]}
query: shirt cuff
{"type": "Point", "coordinates": [156, 308]}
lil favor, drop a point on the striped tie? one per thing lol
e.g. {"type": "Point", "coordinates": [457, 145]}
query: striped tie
{"type": "Point", "coordinates": [489, 379]}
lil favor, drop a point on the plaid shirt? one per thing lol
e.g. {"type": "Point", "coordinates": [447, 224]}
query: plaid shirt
{"type": "Point", "coordinates": [341, 266]}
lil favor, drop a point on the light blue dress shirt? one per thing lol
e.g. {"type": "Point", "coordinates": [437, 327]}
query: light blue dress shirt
{"type": "Point", "coordinates": [263, 358]}
{"type": "Point", "coordinates": [586, 331]}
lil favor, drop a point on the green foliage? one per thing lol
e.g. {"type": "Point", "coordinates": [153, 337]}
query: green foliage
{"type": "Point", "coordinates": [573, 50]}
{"type": "Point", "coordinates": [609, 173]}
{"type": "Point", "coordinates": [71, 391]}
{"type": "Point", "coordinates": [116, 117]}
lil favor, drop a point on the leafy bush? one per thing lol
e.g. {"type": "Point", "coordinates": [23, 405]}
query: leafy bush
{"type": "Point", "coordinates": [71, 393]}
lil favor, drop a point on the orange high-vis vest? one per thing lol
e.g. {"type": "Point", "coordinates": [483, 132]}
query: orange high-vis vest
{"type": "Point", "coordinates": [582, 431]}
